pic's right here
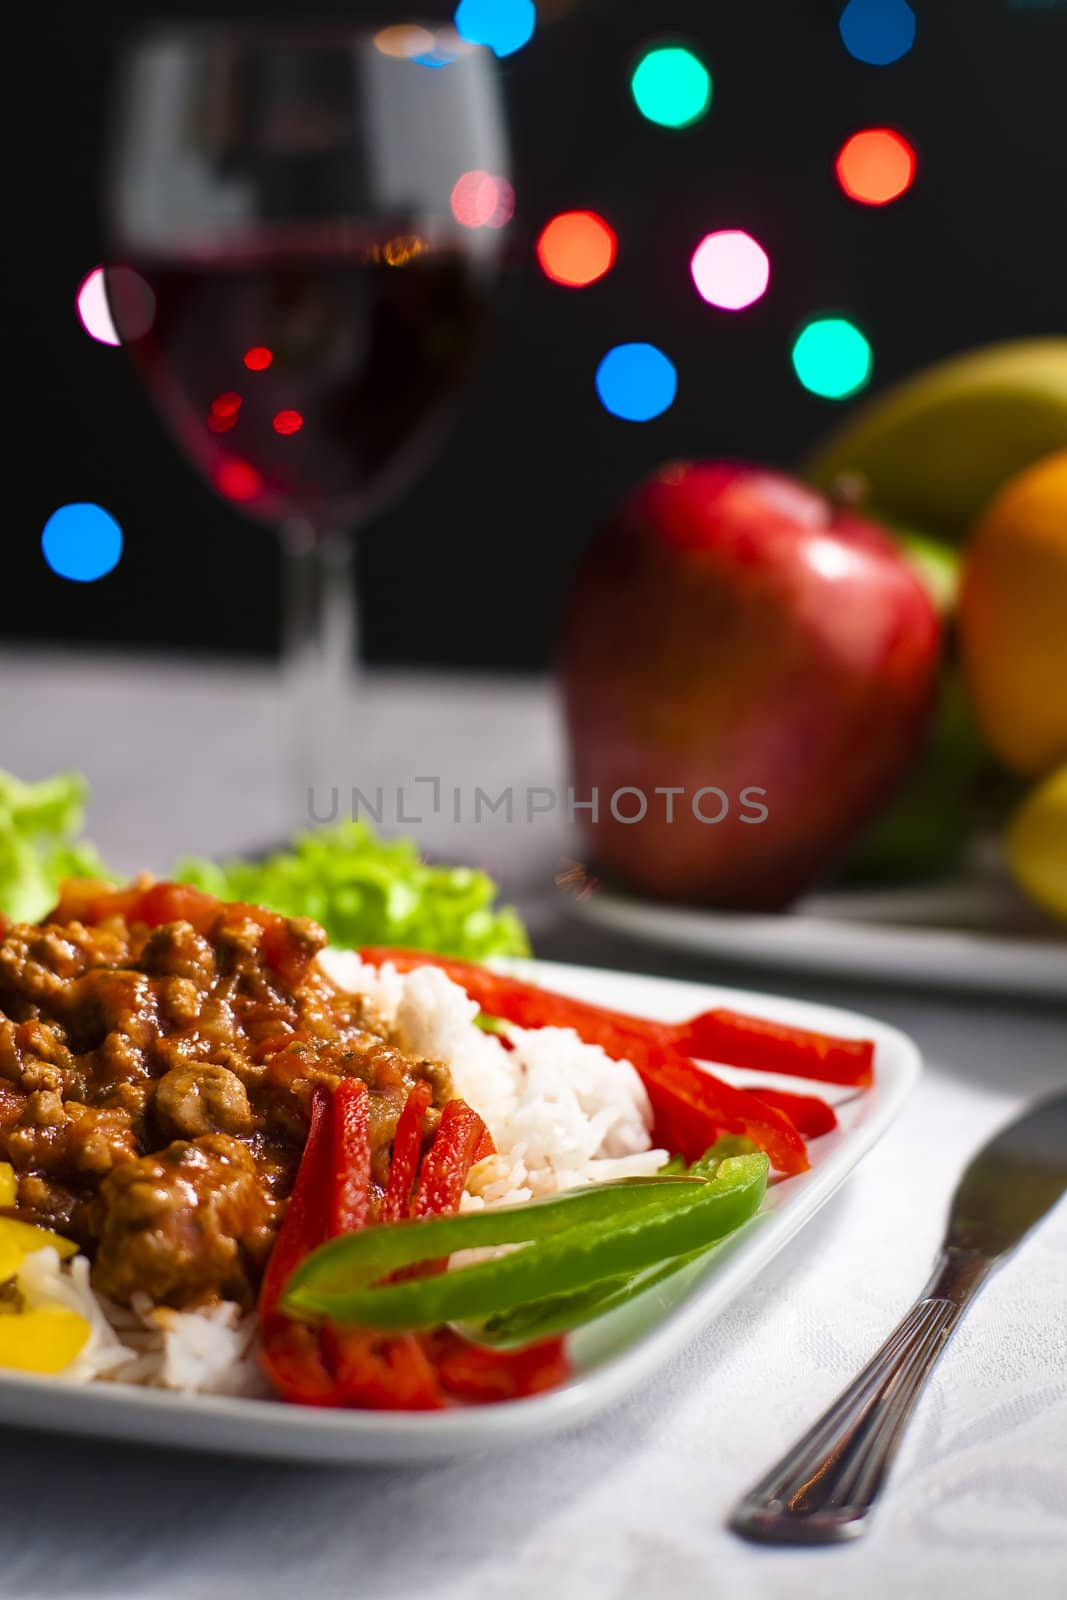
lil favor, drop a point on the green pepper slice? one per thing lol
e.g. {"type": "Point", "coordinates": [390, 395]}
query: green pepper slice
{"type": "Point", "coordinates": [581, 1238]}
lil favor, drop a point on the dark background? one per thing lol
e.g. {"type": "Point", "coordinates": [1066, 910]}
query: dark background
{"type": "Point", "coordinates": [470, 567]}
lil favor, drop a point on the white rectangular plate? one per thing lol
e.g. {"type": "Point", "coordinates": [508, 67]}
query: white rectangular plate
{"type": "Point", "coordinates": [611, 1356]}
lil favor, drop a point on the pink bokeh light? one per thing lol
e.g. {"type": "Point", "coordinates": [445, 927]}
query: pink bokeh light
{"type": "Point", "coordinates": [481, 201]}
{"type": "Point", "coordinates": [730, 269]}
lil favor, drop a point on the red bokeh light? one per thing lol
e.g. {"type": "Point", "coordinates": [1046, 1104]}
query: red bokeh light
{"type": "Point", "coordinates": [225, 410]}
{"type": "Point", "coordinates": [288, 422]}
{"type": "Point", "coordinates": [481, 201]}
{"type": "Point", "coordinates": [258, 358]}
{"type": "Point", "coordinates": [576, 248]}
{"type": "Point", "coordinates": [237, 479]}
{"type": "Point", "coordinates": [875, 166]}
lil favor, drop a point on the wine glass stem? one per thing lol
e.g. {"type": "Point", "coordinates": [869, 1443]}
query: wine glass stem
{"type": "Point", "coordinates": [320, 668]}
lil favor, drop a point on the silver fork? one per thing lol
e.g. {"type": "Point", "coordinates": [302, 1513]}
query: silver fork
{"type": "Point", "coordinates": [823, 1490]}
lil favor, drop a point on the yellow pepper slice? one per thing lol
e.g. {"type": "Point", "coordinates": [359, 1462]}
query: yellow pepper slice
{"type": "Point", "coordinates": [45, 1340]}
{"type": "Point", "coordinates": [9, 1185]}
{"type": "Point", "coordinates": [24, 1238]}
{"type": "Point", "coordinates": [11, 1259]}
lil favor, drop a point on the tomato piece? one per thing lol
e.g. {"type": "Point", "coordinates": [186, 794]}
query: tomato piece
{"type": "Point", "coordinates": [12, 1104]}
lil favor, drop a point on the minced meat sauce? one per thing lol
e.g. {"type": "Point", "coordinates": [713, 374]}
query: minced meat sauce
{"type": "Point", "coordinates": [158, 1055]}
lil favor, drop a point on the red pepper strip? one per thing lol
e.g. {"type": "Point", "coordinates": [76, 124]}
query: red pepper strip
{"type": "Point", "coordinates": [407, 1147]}
{"type": "Point", "coordinates": [447, 1163]}
{"type": "Point", "coordinates": [292, 1355]}
{"type": "Point", "coordinates": [692, 1107]}
{"type": "Point", "coordinates": [335, 1367]}
{"type": "Point", "coordinates": [473, 1373]}
{"type": "Point", "coordinates": [806, 1111]}
{"type": "Point", "coordinates": [303, 1227]}
{"type": "Point", "coordinates": [293, 1359]}
{"type": "Point", "coordinates": [380, 1372]}
{"type": "Point", "coordinates": [769, 1046]}
{"type": "Point", "coordinates": [349, 1183]}
{"type": "Point", "coordinates": [370, 1370]}
{"type": "Point", "coordinates": [399, 1373]}
{"type": "Point", "coordinates": [731, 1037]}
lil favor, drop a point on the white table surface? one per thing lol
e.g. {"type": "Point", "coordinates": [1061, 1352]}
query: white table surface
{"type": "Point", "coordinates": [634, 1504]}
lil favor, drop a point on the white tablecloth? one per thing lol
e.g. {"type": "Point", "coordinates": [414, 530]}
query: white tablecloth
{"type": "Point", "coordinates": [632, 1504]}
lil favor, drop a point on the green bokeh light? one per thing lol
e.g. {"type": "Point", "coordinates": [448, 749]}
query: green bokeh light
{"type": "Point", "coordinates": [832, 358]}
{"type": "Point", "coordinates": [671, 87]}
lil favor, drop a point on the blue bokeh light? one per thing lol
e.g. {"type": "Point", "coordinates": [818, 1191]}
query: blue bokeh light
{"type": "Point", "coordinates": [636, 382]}
{"type": "Point", "coordinates": [504, 25]}
{"type": "Point", "coordinates": [877, 31]}
{"type": "Point", "coordinates": [440, 56]}
{"type": "Point", "coordinates": [82, 542]}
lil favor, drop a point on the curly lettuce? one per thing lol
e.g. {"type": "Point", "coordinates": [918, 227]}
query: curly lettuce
{"type": "Point", "coordinates": [367, 890]}
{"type": "Point", "coordinates": [362, 889]}
{"type": "Point", "coordinates": [39, 825]}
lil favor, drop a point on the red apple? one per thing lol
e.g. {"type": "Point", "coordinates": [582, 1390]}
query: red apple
{"type": "Point", "coordinates": [732, 630]}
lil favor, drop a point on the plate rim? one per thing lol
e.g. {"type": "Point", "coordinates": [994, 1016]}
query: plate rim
{"type": "Point", "coordinates": [243, 1426]}
{"type": "Point", "coordinates": [1008, 964]}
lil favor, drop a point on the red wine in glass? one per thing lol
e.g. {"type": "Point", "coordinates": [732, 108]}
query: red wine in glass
{"type": "Point", "coordinates": [306, 224]}
{"type": "Point", "coordinates": [304, 380]}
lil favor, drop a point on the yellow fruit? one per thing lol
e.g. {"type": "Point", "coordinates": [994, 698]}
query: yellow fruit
{"type": "Point", "coordinates": [1037, 844]}
{"type": "Point", "coordinates": [1013, 619]}
{"type": "Point", "coordinates": [935, 448]}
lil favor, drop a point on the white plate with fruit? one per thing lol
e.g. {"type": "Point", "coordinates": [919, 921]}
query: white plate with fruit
{"type": "Point", "coordinates": [826, 721]}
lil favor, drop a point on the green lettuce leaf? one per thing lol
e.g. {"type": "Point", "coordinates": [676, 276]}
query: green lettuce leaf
{"type": "Point", "coordinates": [366, 890]}
{"type": "Point", "coordinates": [39, 824]}
{"type": "Point", "coordinates": [362, 889]}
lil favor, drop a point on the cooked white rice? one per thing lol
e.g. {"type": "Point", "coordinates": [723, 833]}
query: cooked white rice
{"type": "Point", "coordinates": [562, 1114]}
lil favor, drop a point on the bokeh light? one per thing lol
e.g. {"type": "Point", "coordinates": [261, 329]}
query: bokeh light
{"type": "Point", "coordinates": [287, 422]}
{"type": "Point", "coordinates": [122, 286]}
{"type": "Point", "coordinates": [504, 25]}
{"type": "Point", "coordinates": [93, 309]}
{"type": "Point", "coordinates": [878, 32]}
{"type": "Point", "coordinates": [82, 542]}
{"type": "Point", "coordinates": [671, 87]}
{"type": "Point", "coordinates": [237, 479]}
{"type": "Point", "coordinates": [258, 359]}
{"type": "Point", "coordinates": [404, 41]}
{"type": "Point", "coordinates": [730, 269]}
{"type": "Point", "coordinates": [576, 248]}
{"type": "Point", "coordinates": [832, 358]}
{"type": "Point", "coordinates": [481, 201]}
{"type": "Point", "coordinates": [225, 410]}
{"type": "Point", "coordinates": [440, 55]}
{"type": "Point", "coordinates": [875, 166]}
{"type": "Point", "coordinates": [636, 382]}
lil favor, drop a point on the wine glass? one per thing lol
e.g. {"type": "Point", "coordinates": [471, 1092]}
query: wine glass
{"type": "Point", "coordinates": [306, 228]}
